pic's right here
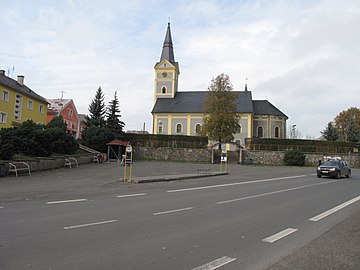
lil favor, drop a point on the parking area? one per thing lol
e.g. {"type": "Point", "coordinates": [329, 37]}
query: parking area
{"type": "Point", "coordinates": [95, 179]}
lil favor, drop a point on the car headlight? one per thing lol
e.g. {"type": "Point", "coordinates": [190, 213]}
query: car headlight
{"type": "Point", "coordinates": [318, 168]}
{"type": "Point", "coordinates": [332, 169]}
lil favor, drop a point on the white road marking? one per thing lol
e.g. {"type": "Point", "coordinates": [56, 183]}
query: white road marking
{"type": "Point", "coordinates": [216, 263]}
{"type": "Point", "coordinates": [1, 207]}
{"type": "Point", "coordinates": [273, 192]}
{"type": "Point", "coordinates": [89, 224]}
{"type": "Point", "coordinates": [279, 235]}
{"type": "Point", "coordinates": [67, 201]}
{"type": "Point", "coordinates": [173, 211]}
{"type": "Point", "coordinates": [131, 195]}
{"type": "Point", "coordinates": [237, 183]}
{"type": "Point", "coordinates": [335, 209]}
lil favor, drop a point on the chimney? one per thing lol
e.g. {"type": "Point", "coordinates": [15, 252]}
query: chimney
{"type": "Point", "coordinates": [2, 72]}
{"type": "Point", "coordinates": [20, 79]}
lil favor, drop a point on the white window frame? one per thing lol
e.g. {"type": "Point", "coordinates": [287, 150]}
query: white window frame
{"type": "Point", "coordinates": [200, 128]}
{"type": "Point", "coordinates": [30, 105]}
{"type": "Point", "coordinates": [5, 96]}
{"type": "Point", "coordinates": [176, 128]}
{"type": "Point", "coordinates": [163, 87]}
{"type": "Point", "coordinates": [278, 132]}
{"type": "Point", "coordinates": [3, 117]}
{"type": "Point", "coordinates": [41, 108]}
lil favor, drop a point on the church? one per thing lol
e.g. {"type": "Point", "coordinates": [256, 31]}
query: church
{"type": "Point", "coordinates": [181, 112]}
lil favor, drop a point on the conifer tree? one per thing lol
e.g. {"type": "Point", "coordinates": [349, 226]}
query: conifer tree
{"type": "Point", "coordinates": [97, 110]}
{"type": "Point", "coordinates": [330, 132]}
{"type": "Point", "coordinates": [353, 132]}
{"type": "Point", "coordinates": [113, 114]}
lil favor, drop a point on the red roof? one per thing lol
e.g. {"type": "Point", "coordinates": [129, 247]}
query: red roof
{"type": "Point", "coordinates": [118, 142]}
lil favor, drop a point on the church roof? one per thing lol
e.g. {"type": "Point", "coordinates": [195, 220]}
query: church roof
{"type": "Point", "coordinates": [193, 102]}
{"type": "Point", "coordinates": [168, 50]}
{"type": "Point", "coordinates": [264, 107]}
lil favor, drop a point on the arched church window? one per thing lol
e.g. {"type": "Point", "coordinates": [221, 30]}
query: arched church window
{"type": "Point", "coordinates": [163, 90]}
{"type": "Point", "coordinates": [197, 128]}
{"type": "Point", "coordinates": [260, 132]}
{"type": "Point", "coordinates": [277, 132]}
{"type": "Point", "coordinates": [238, 129]}
{"type": "Point", "coordinates": [179, 128]}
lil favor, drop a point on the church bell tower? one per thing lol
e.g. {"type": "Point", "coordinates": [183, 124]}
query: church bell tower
{"type": "Point", "coordinates": [166, 70]}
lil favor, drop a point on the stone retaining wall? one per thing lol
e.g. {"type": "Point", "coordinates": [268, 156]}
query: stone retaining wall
{"type": "Point", "coordinates": [174, 154]}
{"type": "Point", "coordinates": [50, 163]}
{"type": "Point", "coordinates": [277, 157]}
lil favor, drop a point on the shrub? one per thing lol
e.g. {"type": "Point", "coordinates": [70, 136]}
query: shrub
{"type": "Point", "coordinates": [294, 158]}
{"type": "Point", "coordinates": [36, 139]}
{"type": "Point", "coordinates": [97, 137]}
{"type": "Point", "coordinates": [7, 143]}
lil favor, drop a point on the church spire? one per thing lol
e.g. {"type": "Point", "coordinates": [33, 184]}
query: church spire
{"type": "Point", "coordinates": [168, 50]}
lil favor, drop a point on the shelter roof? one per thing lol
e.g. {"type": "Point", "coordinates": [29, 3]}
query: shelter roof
{"type": "Point", "coordinates": [118, 142]}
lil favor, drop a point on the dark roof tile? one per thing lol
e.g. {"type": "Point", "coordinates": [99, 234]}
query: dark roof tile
{"type": "Point", "coordinates": [22, 89]}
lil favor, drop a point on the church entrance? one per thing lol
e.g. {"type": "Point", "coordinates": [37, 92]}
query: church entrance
{"type": "Point", "coordinates": [234, 152]}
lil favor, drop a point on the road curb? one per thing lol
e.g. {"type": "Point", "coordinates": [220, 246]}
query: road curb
{"type": "Point", "coordinates": [166, 178]}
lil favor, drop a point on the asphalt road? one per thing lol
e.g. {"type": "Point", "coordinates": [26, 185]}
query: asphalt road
{"type": "Point", "coordinates": [85, 218]}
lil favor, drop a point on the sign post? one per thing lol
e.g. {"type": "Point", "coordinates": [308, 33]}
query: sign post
{"type": "Point", "coordinates": [223, 159]}
{"type": "Point", "coordinates": [128, 162]}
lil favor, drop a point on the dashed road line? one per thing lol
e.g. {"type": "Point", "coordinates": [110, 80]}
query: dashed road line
{"type": "Point", "coordinates": [1, 207]}
{"type": "Point", "coordinates": [67, 201]}
{"type": "Point", "coordinates": [279, 235]}
{"type": "Point", "coordinates": [90, 224]}
{"type": "Point", "coordinates": [273, 192]}
{"type": "Point", "coordinates": [131, 195]}
{"type": "Point", "coordinates": [215, 264]}
{"type": "Point", "coordinates": [237, 183]}
{"type": "Point", "coordinates": [335, 209]}
{"type": "Point", "coordinates": [173, 211]}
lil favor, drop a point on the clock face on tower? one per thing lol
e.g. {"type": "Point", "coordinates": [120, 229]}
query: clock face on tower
{"type": "Point", "coordinates": [164, 74]}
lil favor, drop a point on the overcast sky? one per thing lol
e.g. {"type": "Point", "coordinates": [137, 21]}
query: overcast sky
{"type": "Point", "coordinates": [303, 56]}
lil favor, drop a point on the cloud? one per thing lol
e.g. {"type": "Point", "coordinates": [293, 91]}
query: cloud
{"type": "Point", "coordinates": [303, 56]}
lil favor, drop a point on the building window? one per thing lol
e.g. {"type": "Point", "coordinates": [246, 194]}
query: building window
{"type": "Point", "coordinates": [160, 128]}
{"type": "Point", "coordinates": [163, 90]}
{"type": "Point", "coordinates": [179, 128]}
{"type": "Point", "coordinates": [70, 112]}
{"type": "Point", "coordinates": [238, 129]}
{"type": "Point", "coordinates": [3, 117]}
{"type": "Point", "coordinates": [5, 96]}
{"type": "Point", "coordinates": [30, 105]}
{"type": "Point", "coordinates": [276, 132]}
{"type": "Point", "coordinates": [41, 108]}
{"type": "Point", "coordinates": [260, 132]}
{"type": "Point", "coordinates": [198, 129]}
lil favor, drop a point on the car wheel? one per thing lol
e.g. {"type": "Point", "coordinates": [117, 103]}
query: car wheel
{"type": "Point", "coordinates": [337, 175]}
{"type": "Point", "coordinates": [348, 174]}
{"type": "Point", "coordinates": [319, 175]}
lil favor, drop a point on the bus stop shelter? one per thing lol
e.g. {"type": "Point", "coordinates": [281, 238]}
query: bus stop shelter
{"type": "Point", "coordinates": [116, 149]}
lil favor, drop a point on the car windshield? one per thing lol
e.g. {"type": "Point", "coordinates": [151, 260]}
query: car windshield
{"type": "Point", "coordinates": [331, 163]}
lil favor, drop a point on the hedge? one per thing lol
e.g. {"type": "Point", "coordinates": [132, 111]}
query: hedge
{"type": "Point", "coordinates": [174, 141]}
{"type": "Point", "coordinates": [307, 146]}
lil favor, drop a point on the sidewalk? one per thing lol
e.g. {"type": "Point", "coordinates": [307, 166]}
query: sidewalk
{"type": "Point", "coordinates": [338, 248]}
